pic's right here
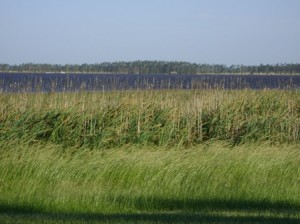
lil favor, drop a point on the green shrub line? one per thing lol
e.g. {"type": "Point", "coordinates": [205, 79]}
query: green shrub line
{"type": "Point", "coordinates": [158, 118]}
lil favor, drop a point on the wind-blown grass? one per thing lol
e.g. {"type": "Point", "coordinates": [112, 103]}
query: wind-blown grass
{"type": "Point", "coordinates": [150, 156]}
{"type": "Point", "coordinates": [206, 181]}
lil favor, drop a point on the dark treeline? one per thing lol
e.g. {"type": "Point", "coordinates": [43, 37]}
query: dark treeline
{"type": "Point", "coordinates": [153, 67]}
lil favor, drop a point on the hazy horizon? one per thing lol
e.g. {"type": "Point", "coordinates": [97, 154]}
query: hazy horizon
{"type": "Point", "coordinates": [90, 31]}
{"type": "Point", "coordinates": [176, 61]}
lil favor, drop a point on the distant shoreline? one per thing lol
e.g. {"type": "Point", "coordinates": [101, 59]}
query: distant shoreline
{"type": "Point", "coordinates": [120, 73]}
{"type": "Point", "coordinates": [155, 67]}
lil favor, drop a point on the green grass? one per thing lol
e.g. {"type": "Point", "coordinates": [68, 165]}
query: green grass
{"type": "Point", "coordinates": [212, 183]}
{"type": "Point", "coordinates": [150, 157]}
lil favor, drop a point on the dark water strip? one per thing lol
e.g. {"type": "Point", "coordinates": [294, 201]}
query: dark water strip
{"type": "Point", "coordinates": [43, 82]}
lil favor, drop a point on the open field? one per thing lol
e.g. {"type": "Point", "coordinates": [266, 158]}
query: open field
{"type": "Point", "coordinates": [150, 157]}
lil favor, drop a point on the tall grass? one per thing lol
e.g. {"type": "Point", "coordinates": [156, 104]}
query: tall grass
{"type": "Point", "coordinates": [173, 118]}
{"type": "Point", "coordinates": [158, 156]}
{"type": "Point", "coordinates": [46, 178]}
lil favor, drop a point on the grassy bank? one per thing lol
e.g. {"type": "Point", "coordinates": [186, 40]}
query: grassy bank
{"type": "Point", "coordinates": [209, 183]}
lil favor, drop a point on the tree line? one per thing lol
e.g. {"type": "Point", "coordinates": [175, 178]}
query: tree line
{"type": "Point", "coordinates": [153, 67]}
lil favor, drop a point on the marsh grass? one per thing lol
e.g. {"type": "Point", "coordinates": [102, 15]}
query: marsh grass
{"type": "Point", "coordinates": [159, 118]}
{"type": "Point", "coordinates": [150, 157]}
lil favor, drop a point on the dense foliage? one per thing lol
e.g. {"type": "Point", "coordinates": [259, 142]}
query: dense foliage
{"type": "Point", "coordinates": [153, 67]}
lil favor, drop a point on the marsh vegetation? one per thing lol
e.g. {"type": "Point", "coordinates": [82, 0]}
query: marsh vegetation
{"type": "Point", "coordinates": [155, 156]}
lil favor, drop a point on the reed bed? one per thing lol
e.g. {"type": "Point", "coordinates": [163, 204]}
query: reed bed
{"type": "Point", "coordinates": [164, 117]}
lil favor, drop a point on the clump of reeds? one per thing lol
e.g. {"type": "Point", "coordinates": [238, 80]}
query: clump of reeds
{"type": "Point", "coordinates": [112, 119]}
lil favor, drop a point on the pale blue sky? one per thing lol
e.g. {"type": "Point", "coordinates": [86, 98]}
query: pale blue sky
{"type": "Point", "coordinates": [202, 31]}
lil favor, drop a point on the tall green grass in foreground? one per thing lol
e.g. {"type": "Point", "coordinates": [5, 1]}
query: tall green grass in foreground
{"type": "Point", "coordinates": [213, 184]}
{"type": "Point", "coordinates": [173, 118]}
{"type": "Point", "coordinates": [150, 157]}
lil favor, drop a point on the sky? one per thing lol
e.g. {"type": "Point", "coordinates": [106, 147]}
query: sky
{"type": "Point", "coordinates": [248, 32]}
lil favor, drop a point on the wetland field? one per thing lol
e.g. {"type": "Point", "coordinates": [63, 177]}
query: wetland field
{"type": "Point", "coordinates": [156, 154]}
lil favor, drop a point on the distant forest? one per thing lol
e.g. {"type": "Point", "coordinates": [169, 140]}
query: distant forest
{"type": "Point", "coordinates": [153, 67]}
